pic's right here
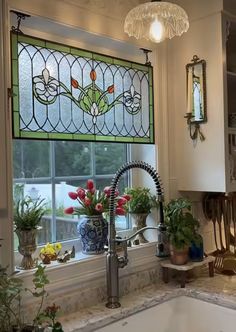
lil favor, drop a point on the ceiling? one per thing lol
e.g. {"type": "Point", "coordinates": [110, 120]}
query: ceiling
{"type": "Point", "coordinates": [116, 9]}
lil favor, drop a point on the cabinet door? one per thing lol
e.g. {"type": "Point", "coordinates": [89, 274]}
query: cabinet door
{"type": "Point", "coordinates": [230, 42]}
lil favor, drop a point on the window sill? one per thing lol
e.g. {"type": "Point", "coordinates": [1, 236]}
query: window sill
{"type": "Point", "coordinates": [84, 269]}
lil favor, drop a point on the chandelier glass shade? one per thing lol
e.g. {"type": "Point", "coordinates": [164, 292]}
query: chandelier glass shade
{"type": "Point", "coordinates": [156, 21]}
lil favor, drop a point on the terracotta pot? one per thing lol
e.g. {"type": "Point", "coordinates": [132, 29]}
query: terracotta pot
{"type": "Point", "coordinates": [179, 256]}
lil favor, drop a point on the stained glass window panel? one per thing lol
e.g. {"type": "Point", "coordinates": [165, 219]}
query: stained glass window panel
{"type": "Point", "coordinates": [67, 93]}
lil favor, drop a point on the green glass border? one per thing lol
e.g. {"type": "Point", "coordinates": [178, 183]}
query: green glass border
{"type": "Point", "coordinates": [18, 133]}
{"type": "Point", "coordinates": [88, 138]}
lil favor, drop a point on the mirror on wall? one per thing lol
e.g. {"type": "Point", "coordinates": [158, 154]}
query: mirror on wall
{"type": "Point", "coordinates": [196, 95]}
{"type": "Point", "coordinates": [196, 89]}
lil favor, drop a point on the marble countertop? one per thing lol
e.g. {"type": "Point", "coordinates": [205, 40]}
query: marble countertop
{"type": "Point", "coordinates": [220, 290]}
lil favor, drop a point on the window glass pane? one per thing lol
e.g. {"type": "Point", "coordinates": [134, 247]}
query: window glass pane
{"type": "Point", "coordinates": [35, 191]}
{"type": "Point", "coordinates": [66, 224]}
{"type": "Point", "coordinates": [31, 159]}
{"type": "Point", "coordinates": [72, 158]}
{"type": "Point", "coordinates": [109, 157]}
{"type": "Point", "coordinates": [101, 183]}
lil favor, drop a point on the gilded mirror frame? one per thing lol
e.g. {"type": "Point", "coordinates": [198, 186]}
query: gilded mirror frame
{"type": "Point", "coordinates": [196, 95]}
{"type": "Point", "coordinates": [196, 85]}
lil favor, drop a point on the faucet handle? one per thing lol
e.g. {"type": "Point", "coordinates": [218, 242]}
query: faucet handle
{"type": "Point", "coordinates": [123, 260]}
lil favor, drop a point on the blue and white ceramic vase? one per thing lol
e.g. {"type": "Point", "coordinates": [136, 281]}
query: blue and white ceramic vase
{"type": "Point", "coordinates": [93, 231]}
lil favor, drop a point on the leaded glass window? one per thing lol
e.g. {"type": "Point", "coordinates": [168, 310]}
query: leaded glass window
{"type": "Point", "coordinates": [66, 93]}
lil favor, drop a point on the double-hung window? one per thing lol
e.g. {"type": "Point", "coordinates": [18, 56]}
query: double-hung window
{"type": "Point", "coordinates": [74, 114]}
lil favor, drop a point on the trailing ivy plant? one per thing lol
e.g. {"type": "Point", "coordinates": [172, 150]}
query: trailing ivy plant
{"type": "Point", "coordinates": [40, 280]}
{"type": "Point", "coordinates": [10, 300]}
{"type": "Point", "coordinates": [11, 311]}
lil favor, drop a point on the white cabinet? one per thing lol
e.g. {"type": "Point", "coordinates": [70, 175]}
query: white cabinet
{"type": "Point", "coordinates": [230, 53]}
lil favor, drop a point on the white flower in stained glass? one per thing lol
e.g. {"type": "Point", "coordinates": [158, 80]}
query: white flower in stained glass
{"type": "Point", "coordinates": [94, 112]}
{"type": "Point", "coordinates": [94, 109]}
{"type": "Point", "coordinates": [46, 87]}
{"type": "Point", "coordinates": [132, 100]}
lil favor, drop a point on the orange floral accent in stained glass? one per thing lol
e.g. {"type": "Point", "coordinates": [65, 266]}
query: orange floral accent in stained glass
{"type": "Point", "coordinates": [74, 83]}
{"type": "Point", "coordinates": [93, 75]}
{"type": "Point", "coordinates": [111, 88]}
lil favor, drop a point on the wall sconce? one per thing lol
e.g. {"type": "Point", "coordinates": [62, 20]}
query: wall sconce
{"type": "Point", "coordinates": [156, 21]}
{"type": "Point", "coordinates": [196, 96]}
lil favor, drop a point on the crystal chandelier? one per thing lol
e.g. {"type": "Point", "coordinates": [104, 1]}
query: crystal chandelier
{"type": "Point", "coordinates": [156, 21]}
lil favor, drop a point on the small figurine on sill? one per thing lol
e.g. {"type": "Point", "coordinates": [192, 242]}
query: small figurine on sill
{"type": "Point", "coordinates": [66, 256]}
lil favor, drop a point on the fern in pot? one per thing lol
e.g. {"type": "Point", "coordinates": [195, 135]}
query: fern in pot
{"type": "Point", "coordinates": [181, 229]}
{"type": "Point", "coordinates": [27, 216]}
{"type": "Point", "coordinates": [139, 204]}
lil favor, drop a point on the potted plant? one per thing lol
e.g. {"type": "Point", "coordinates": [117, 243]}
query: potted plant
{"type": "Point", "coordinates": [27, 216]}
{"type": "Point", "coordinates": [11, 292]}
{"type": "Point", "coordinates": [181, 229]}
{"type": "Point", "coordinates": [139, 205]}
{"type": "Point", "coordinates": [93, 204]}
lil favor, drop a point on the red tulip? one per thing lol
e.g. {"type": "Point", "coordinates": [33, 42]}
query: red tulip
{"type": "Point", "coordinates": [72, 195]}
{"type": "Point", "coordinates": [93, 75]}
{"type": "Point", "coordinates": [81, 193]}
{"type": "Point", "coordinates": [87, 201]}
{"type": "Point", "coordinates": [127, 197]}
{"type": "Point", "coordinates": [99, 207]}
{"type": "Point", "coordinates": [120, 211]}
{"type": "Point", "coordinates": [90, 184]}
{"type": "Point", "coordinates": [107, 191]}
{"type": "Point", "coordinates": [121, 201]}
{"type": "Point", "coordinates": [92, 191]}
{"type": "Point", "coordinates": [111, 88]}
{"type": "Point", "coordinates": [74, 83]}
{"type": "Point", "coordinates": [69, 210]}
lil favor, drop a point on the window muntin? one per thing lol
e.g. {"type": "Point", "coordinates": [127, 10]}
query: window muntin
{"type": "Point", "coordinates": [62, 167]}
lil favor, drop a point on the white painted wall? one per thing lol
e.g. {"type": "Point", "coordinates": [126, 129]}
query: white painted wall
{"type": "Point", "coordinates": [197, 166]}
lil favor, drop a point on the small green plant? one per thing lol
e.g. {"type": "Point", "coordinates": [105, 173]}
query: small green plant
{"type": "Point", "coordinates": [28, 213]}
{"type": "Point", "coordinates": [181, 225]}
{"type": "Point", "coordinates": [10, 299]}
{"type": "Point", "coordinates": [49, 315]}
{"type": "Point", "coordinates": [11, 313]}
{"type": "Point", "coordinates": [141, 200]}
{"type": "Point", "coordinates": [40, 280]}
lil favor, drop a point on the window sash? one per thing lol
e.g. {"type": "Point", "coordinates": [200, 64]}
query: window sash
{"type": "Point", "coordinates": [53, 180]}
